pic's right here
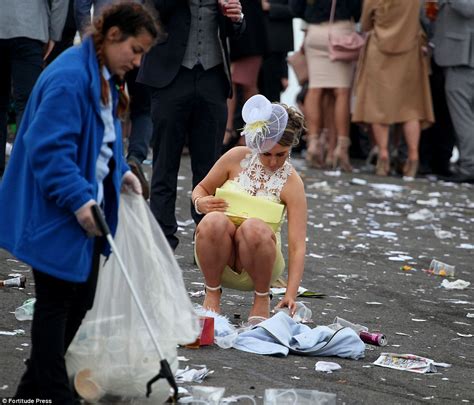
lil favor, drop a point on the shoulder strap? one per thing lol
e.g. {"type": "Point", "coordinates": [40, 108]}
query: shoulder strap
{"type": "Point", "coordinates": [333, 11]}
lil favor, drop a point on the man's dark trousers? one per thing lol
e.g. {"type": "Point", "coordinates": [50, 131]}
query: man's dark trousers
{"type": "Point", "coordinates": [193, 108]}
{"type": "Point", "coordinates": [20, 65]}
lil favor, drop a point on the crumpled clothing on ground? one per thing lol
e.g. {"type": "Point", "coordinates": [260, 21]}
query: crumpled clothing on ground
{"type": "Point", "coordinates": [281, 335]}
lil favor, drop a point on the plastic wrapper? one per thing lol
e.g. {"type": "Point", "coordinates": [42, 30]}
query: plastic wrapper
{"type": "Point", "coordinates": [113, 354]}
{"type": "Point", "coordinates": [298, 396]}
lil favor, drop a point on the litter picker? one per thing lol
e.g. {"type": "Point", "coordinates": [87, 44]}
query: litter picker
{"type": "Point", "coordinates": [165, 370]}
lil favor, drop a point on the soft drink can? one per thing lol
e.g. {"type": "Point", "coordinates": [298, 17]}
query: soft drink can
{"type": "Point", "coordinates": [373, 338]}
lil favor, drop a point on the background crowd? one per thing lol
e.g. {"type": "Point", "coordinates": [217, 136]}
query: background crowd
{"type": "Point", "coordinates": [403, 100]}
{"type": "Point", "coordinates": [187, 66]}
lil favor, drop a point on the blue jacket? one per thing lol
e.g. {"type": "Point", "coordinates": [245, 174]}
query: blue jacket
{"type": "Point", "coordinates": [52, 170]}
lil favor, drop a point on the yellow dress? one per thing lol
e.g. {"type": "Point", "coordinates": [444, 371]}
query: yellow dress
{"type": "Point", "coordinates": [256, 181]}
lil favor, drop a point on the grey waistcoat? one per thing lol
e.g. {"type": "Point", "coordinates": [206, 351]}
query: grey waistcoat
{"type": "Point", "coordinates": [203, 43]}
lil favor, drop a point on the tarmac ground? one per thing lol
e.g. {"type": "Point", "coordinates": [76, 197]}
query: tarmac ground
{"type": "Point", "coordinates": [361, 232]}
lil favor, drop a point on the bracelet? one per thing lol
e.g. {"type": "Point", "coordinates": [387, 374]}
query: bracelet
{"type": "Point", "coordinates": [196, 206]}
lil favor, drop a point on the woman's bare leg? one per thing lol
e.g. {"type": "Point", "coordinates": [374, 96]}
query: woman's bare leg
{"type": "Point", "coordinates": [256, 253]}
{"type": "Point", "coordinates": [214, 249]}
{"type": "Point", "coordinates": [329, 125]}
{"type": "Point", "coordinates": [380, 132]}
{"type": "Point", "coordinates": [341, 122]}
{"type": "Point", "coordinates": [313, 113]}
{"type": "Point", "coordinates": [411, 130]}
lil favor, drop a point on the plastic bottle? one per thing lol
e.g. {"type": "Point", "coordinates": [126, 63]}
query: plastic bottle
{"type": "Point", "coordinates": [302, 313]}
{"type": "Point", "coordinates": [25, 312]}
{"type": "Point", "coordinates": [347, 324]}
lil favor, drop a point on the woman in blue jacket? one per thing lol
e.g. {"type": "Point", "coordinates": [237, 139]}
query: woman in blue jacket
{"type": "Point", "coordinates": [68, 157]}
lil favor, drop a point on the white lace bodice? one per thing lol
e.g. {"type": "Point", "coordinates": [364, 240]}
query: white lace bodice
{"type": "Point", "coordinates": [258, 181]}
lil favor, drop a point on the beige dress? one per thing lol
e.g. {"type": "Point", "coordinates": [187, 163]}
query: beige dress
{"type": "Point", "coordinates": [392, 82]}
{"type": "Point", "coordinates": [324, 73]}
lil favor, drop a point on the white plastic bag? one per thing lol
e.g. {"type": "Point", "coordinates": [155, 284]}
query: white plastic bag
{"type": "Point", "coordinates": [113, 353]}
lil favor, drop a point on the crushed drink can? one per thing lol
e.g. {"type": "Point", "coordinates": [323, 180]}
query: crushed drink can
{"type": "Point", "coordinates": [373, 338]}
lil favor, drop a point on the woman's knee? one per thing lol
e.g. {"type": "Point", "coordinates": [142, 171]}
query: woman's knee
{"type": "Point", "coordinates": [213, 226]}
{"type": "Point", "coordinates": [341, 92]}
{"type": "Point", "coordinates": [255, 232]}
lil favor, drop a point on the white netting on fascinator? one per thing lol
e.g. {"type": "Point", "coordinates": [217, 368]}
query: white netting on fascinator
{"type": "Point", "coordinates": [264, 123]}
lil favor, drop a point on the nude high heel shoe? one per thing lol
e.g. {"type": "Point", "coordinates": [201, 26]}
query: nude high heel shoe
{"type": "Point", "coordinates": [410, 169]}
{"type": "Point", "coordinates": [314, 152]}
{"type": "Point", "coordinates": [383, 167]}
{"type": "Point", "coordinates": [341, 154]}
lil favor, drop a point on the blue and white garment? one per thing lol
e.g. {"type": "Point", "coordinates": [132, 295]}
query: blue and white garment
{"type": "Point", "coordinates": [102, 166]}
{"type": "Point", "coordinates": [280, 335]}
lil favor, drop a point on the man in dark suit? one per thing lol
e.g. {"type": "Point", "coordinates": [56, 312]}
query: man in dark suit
{"type": "Point", "coordinates": [279, 25]}
{"type": "Point", "coordinates": [454, 42]}
{"type": "Point", "coordinates": [189, 77]}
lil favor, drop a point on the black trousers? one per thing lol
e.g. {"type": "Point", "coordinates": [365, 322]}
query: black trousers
{"type": "Point", "coordinates": [20, 66]}
{"type": "Point", "coordinates": [142, 128]}
{"type": "Point", "coordinates": [193, 108]}
{"type": "Point", "coordinates": [274, 68]}
{"type": "Point", "coordinates": [437, 141]}
{"type": "Point", "coordinates": [59, 310]}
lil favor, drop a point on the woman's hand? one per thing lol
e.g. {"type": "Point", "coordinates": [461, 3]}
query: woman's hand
{"type": "Point", "coordinates": [210, 203]}
{"type": "Point", "coordinates": [86, 219]}
{"type": "Point", "coordinates": [131, 182]}
{"type": "Point", "coordinates": [288, 302]}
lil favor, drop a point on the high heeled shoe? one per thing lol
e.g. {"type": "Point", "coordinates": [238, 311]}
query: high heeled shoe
{"type": "Point", "coordinates": [382, 167]}
{"type": "Point", "coordinates": [410, 169]}
{"type": "Point", "coordinates": [329, 161]}
{"type": "Point", "coordinates": [314, 151]}
{"type": "Point", "coordinates": [341, 154]}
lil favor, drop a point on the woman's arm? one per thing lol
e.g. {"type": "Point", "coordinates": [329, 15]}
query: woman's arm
{"type": "Point", "coordinates": [203, 194]}
{"type": "Point", "coordinates": [52, 145]}
{"type": "Point", "coordinates": [366, 20]}
{"type": "Point", "coordinates": [295, 199]}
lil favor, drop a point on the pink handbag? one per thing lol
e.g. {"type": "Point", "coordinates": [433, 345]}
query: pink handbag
{"type": "Point", "coordinates": [344, 47]}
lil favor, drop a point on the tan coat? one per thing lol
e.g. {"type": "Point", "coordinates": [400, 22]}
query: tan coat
{"type": "Point", "coordinates": [392, 83]}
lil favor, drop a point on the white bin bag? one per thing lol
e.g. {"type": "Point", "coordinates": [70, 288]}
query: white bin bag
{"type": "Point", "coordinates": [112, 353]}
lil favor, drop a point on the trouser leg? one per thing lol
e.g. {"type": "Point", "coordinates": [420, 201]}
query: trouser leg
{"type": "Point", "coordinates": [171, 108]}
{"type": "Point", "coordinates": [460, 97]}
{"type": "Point", "coordinates": [5, 89]}
{"type": "Point", "coordinates": [27, 62]}
{"type": "Point", "coordinates": [142, 127]}
{"type": "Point", "coordinates": [208, 122]}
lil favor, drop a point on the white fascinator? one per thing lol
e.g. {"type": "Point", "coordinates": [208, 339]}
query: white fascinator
{"type": "Point", "coordinates": [264, 123]}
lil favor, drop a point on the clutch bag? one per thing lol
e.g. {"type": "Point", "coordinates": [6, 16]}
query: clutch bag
{"type": "Point", "coordinates": [243, 206]}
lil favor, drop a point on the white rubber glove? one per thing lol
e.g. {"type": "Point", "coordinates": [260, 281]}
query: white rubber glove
{"type": "Point", "coordinates": [130, 181]}
{"type": "Point", "coordinates": [86, 219]}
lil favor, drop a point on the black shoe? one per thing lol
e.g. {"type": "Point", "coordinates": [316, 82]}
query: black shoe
{"type": "Point", "coordinates": [136, 168]}
{"type": "Point", "coordinates": [458, 178]}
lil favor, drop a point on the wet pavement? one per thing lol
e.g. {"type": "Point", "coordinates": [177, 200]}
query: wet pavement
{"type": "Point", "coordinates": [362, 231]}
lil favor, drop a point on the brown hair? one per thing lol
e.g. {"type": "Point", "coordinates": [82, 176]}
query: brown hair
{"type": "Point", "coordinates": [295, 127]}
{"type": "Point", "coordinates": [131, 19]}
